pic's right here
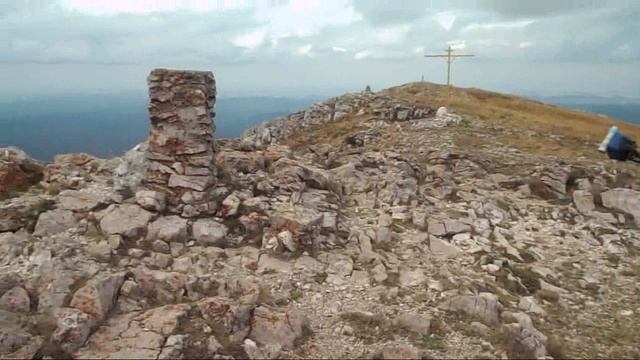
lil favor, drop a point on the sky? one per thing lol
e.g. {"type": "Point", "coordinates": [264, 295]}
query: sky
{"type": "Point", "coordinates": [319, 47]}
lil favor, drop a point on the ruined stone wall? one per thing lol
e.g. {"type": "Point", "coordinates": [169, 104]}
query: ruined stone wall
{"type": "Point", "coordinates": [180, 157]}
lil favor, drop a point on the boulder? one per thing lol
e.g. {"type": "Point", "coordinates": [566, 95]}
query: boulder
{"type": "Point", "coordinates": [583, 200]}
{"type": "Point", "coordinates": [129, 172]}
{"type": "Point", "coordinates": [339, 264]}
{"type": "Point", "coordinates": [443, 248]}
{"type": "Point", "coordinates": [98, 296]}
{"type": "Point", "coordinates": [73, 329]}
{"type": "Point", "coordinates": [523, 339]}
{"type": "Point", "coordinates": [54, 222]}
{"type": "Point", "coordinates": [398, 351]}
{"type": "Point", "coordinates": [268, 263]}
{"type": "Point", "coordinates": [81, 200]}
{"type": "Point", "coordinates": [210, 232]}
{"type": "Point", "coordinates": [412, 278]}
{"type": "Point", "coordinates": [234, 319]}
{"type": "Point", "coordinates": [626, 200]}
{"type": "Point", "coordinates": [16, 300]}
{"type": "Point", "coordinates": [138, 335]}
{"type": "Point", "coordinates": [151, 200]}
{"type": "Point", "coordinates": [276, 328]}
{"type": "Point", "coordinates": [414, 322]}
{"type": "Point", "coordinates": [18, 170]}
{"type": "Point", "coordinates": [484, 306]}
{"type": "Point", "coordinates": [70, 171]}
{"type": "Point", "coordinates": [127, 220]}
{"type": "Point", "coordinates": [168, 229]}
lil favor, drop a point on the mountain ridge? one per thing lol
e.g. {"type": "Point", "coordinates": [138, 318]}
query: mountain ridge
{"type": "Point", "coordinates": [415, 222]}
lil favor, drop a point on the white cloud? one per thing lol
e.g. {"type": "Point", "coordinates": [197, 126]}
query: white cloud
{"type": "Point", "coordinates": [509, 25]}
{"type": "Point", "coordinates": [251, 40]}
{"type": "Point", "coordinates": [338, 49]}
{"type": "Point", "coordinates": [393, 34]}
{"type": "Point", "coordinates": [111, 7]}
{"type": "Point", "coordinates": [525, 44]}
{"type": "Point", "coordinates": [419, 50]}
{"type": "Point", "coordinates": [445, 20]}
{"type": "Point", "coordinates": [303, 18]}
{"type": "Point", "coordinates": [457, 44]}
{"type": "Point", "coordinates": [304, 50]}
{"type": "Point", "coordinates": [362, 55]}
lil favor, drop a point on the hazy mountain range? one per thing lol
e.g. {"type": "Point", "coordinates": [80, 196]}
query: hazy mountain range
{"type": "Point", "coordinates": [108, 125]}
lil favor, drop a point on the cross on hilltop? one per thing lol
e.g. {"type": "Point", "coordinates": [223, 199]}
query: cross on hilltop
{"type": "Point", "coordinates": [450, 57]}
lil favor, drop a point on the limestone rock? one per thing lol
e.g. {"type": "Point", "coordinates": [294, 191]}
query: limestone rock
{"type": "Point", "coordinates": [398, 351]}
{"type": "Point", "coordinates": [81, 200]}
{"type": "Point", "coordinates": [484, 306]}
{"type": "Point", "coordinates": [529, 304]}
{"type": "Point", "coordinates": [583, 201]}
{"type": "Point", "coordinates": [340, 265]}
{"type": "Point", "coordinates": [268, 263]}
{"type": "Point", "coordinates": [283, 329]}
{"type": "Point", "coordinates": [18, 170]}
{"type": "Point", "coordinates": [127, 220]}
{"type": "Point", "coordinates": [209, 232]}
{"type": "Point", "coordinates": [129, 173]}
{"type": "Point", "coordinates": [136, 335]}
{"type": "Point", "coordinates": [626, 200]}
{"type": "Point", "coordinates": [73, 328]}
{"type": "Point", "coordinates": [168, 229]}
{"type": "Point", "coordinates": [524, 339]}
{"type": "Point", "coordinates": [151, 200]}
{"type": "Point", "coordinates": [414, 322]}
{"type": "Point", "coordinates": [442, 247]}
{"type": "Point", "coordinates": [54, 222]}
{"type": "Point", "coordinates": [16, 300]}
{"type": "Point", "coordinates": [98, 296]}
{"type": "Point", "coordinates": [412, 278]}
{"type": "Point", "coordinates": [230, 205]}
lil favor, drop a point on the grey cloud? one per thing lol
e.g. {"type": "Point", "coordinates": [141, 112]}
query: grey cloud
{"type": "Point", "coordinates": [542, 8]}
{"type": "Point", "coordinates": [386, 12]}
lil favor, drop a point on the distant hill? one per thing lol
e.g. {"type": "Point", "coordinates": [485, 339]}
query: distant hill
{"type": "Point", "coordinates": [623, 108]}
{"type": "Point", "coordinates": [109, 125]}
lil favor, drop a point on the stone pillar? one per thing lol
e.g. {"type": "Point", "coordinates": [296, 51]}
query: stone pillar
{"type": "Point", "coordinates": [180, 157]}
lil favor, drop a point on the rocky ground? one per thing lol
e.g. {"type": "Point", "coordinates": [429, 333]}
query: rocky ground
{"type": "Point", "coordinates": [366, 226]}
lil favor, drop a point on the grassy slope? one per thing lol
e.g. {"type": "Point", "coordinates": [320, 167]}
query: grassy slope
{"type": "Point", "coordinates": [532, 123]}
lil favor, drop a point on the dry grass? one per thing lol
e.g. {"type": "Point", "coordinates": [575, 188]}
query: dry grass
{"type": "Point", "coordinates": [581, 131]}
{"type": "Point", "coordinates": [332, 133]}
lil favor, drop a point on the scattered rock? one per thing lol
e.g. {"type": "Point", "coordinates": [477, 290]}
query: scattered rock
{"type": "Point", "coordinates": [16, 300]}
{"type": "Point", "coordinates": [168, 229]}
{"type": "Point", "coordinates": [209, 232]}
{"type": "Point", "coordinates": [414, 322]}
{"type": "Point", "coordinates": [73, 329]}
{"type": "Point", "coordinates": [281, 329]}
{"type": "Point", "coordinates": [127, 220]}
{"type": "Point", "coordinates": [484, 306]}
{"type": "Point", "coordinates": [98, 296]}
{"type": "Point", "coordinates": [54, 222]}
{"type": "Point", "coordinates": [626, 200]}
{"type": "Point", "coordinates": [151, 200]}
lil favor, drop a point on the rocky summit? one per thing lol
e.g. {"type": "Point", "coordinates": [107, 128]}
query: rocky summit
{"type": "Point", "coordinates": [420, 221]}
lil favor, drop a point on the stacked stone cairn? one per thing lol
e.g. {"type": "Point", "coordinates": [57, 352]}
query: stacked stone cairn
{"type": "Point", "coordinates": [180, 156]}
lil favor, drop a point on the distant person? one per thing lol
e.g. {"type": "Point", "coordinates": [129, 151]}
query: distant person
{"type": "Point", "coordinates": [619, 147]}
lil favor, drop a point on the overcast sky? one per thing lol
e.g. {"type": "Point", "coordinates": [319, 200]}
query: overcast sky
{"type": "Point", "coordinates": [319, 47]}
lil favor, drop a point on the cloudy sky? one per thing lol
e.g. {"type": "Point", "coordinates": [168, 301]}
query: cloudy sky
{"type": "Point", "coordinates": [319, 47]}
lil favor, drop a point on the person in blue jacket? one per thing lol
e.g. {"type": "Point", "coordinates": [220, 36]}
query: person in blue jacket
{"type": "Point", "coordinates": [619, 147]}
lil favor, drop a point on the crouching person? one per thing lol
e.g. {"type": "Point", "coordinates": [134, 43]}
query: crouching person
{"type": "Point", "coordinates": [619, 147]}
